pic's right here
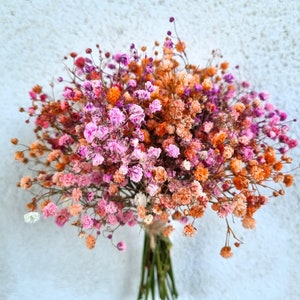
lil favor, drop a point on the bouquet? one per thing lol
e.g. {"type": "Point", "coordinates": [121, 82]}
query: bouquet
{"type": "Point", "coordinates": [146, 141]}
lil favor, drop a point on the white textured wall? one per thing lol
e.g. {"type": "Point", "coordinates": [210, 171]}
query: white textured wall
{"type": "Point", "coordinates": [46, 262]}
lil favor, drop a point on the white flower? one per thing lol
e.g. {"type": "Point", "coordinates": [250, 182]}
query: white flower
{"type": "Point", "coordinates": [148, 219]}
{"type": "Point", "coordinates": [186, 164]}
{"type": "Point", "coordinates": [31, 217]}
{"type": "Point", "coordinates": [140, 199]}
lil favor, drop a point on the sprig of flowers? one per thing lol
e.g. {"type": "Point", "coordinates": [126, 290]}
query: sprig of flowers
{"type": "Point", "coordinates": [137, 139]}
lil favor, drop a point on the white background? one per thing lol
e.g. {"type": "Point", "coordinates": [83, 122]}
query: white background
{"type": "Point", "coordinates": [45, 262]}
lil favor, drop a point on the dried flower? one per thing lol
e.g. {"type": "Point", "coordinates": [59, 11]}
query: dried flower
{"type": "Point", "coordinates": [148, 140]}
{"type": "Point", "coordinates": [31, 217]}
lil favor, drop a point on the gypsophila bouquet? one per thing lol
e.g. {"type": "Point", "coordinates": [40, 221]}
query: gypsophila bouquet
{"type": "Point", "coordinates": [147, 140]}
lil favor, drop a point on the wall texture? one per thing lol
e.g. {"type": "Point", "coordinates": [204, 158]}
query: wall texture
{"type": "Point", "coordinates": [45, 262]}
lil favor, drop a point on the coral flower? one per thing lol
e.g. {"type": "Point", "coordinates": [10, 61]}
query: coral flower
{"type": "Point", "coordinates": [90, 241]}
{"type": "Point", "coordinates": [113, 95]}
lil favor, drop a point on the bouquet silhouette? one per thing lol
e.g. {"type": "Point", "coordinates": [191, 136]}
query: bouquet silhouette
{"type": "Point", "coordinates": [146, 141]}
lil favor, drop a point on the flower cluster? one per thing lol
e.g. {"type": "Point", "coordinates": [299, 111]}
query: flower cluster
{"type": "Point", "coordinates": [137, 139]}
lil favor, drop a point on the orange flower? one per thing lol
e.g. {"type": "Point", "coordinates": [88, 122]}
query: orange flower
{"type": "Point", "coordinates": [19, 155]}
{"type": "Point", "coordinates": [31, 206]}
{"type": "Point", "coordinates": [118, 177]}
{"type": "Point", "coordinates": [113, 189]}
{"type": "Point", "coordinates": [113, 95]}
{"type": "Point", "coordinates": [160, 130]}
{"type": "Point", "coordinates": [278, 166]}
{"type": "Point", "coordinates": [167, 230]}
{"type": "Point", "coordinates": [189, 230]}
{"type": "Point", "coordinates": [177, 215]}
{"type": "Point", "coordinates": [239, 107]}
{"type": "Point", "coordinates": [159, 174]}
{"type": "Point", "coordinates": [37, 89]}
{"type": "Point", "coordinates": [75, 209]}
{"type": "Point", "coordinates": [196, 211]}
{"type": "Point", "coordinates": [288, 180]}
{"type": "Point", "coordinates": [270, 155]}
{"type": "Point", "coordinates": [211, 71]}
{"type": "Point", "coordinates": [201, 173]}
{"type": "Point", "coordinates": [147, 137]}
{"type": "Point", "coordinates": [226, 252]}
{"type": "Point", "coordinates": [219, 138]}
{"type": "Point", "coordinates": [26, 182]}
{"type": "Point", "coordinates": [36, 148]}
{"type": "Point", "coordinates": [240, 182]}
{"type": "Point", "coordinates": [60, 166]}
{"type": "Point", "coordinates": [236, 165]}
{"type": "Point", "coordinates": [249, 222]}
{"type": "Point", "coordinates": [14, 141]}
{"type": "Point", "coordinates": [141, 211]}
{"type": "Point", "coordinates": [207, 84]}
{"type": "Point", "coordinates": [77, 95]}
{"type": "Point", "coordinates": [90, 241]}
{"type": "Point", "coordinates": [180, 46]}
{"type": "Point", "coordinates": [164, 216]}
{"type": "Point", "coordinates": [182, 196]}
{"type": "Point", "coordinates": [224, 65]}
{"type": "Point", "coordinates": [260, 173]}
{"type": "Point", "coordinates": [45, 203]}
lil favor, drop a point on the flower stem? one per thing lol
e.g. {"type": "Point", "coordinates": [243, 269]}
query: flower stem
{"type": "Point", "coordinates": [157, 273]}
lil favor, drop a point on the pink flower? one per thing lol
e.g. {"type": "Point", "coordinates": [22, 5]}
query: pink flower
{"type": "Point", "coordinates": [154, 106]}
{"type": "Point", "coordinates": [153, 153]}
{"type": "Point", "coordinates": [97, 159]}
{"type": "Point", "coordinates": [68, 179]}
{"type": "Point", "coordinates": [142, 95]}
{"type": "Point", "coordinates": [172, 150]}
{"type": "Point", "coordinates": [122, 58]}
{"type": "Point", "coordinates": [225, 209]}
{"type": "Point", "coordinates": [116, 116]}
{"type": "Point", "coordinates": [111, 208]}
{"type": "Point", "coordinates": [111, 219]}
{"type": "Point", "coordinates": [76, 194]}
{"type": "Point", "coordinates": [87, 222]}
{"type": "Point", "coordinates": [49, 210]}
{"type": "Point", "coordinates": [90, 131]}
{"type": "Point", "coordinates": [207, 126]}
{"type": "Point", "coordinates": [137, 114]}
{"type": "Point", "coordinates": [135, 173]}
{"type": "Point", "coordinates": [121, 246]}
{"type": "Point", "coordinates": [64, 140]}
{"type": "Point", "coordinates": [62, 217]}
{"type": "Point", "coordinates": [83, 180]}
{"type": "Point", "coordinates": [152, 189]}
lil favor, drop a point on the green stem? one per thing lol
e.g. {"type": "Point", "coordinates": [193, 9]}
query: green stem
{"type": "Point", "coordinates": [157, 272]}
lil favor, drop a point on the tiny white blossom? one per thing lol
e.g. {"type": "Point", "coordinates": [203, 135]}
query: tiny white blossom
{"type": "Point", "coordinates": [186, 164]}
{"type": "Point", "coordinates": [140, 199]}
{"type": "Point", "coordinates": [148, 219]}
{"type": "Point", "coordinates": [31, 217]}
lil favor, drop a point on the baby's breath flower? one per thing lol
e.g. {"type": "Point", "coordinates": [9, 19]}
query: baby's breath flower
{"type": "Point", "coordinates": [31, 217]}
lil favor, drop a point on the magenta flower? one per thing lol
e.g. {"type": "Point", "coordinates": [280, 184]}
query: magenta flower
{"type": "Point", "coordinates": [142, 95]}
{"type": "Point", "coordinates": [90, 131]}
{"type": "Point", "coordinates": [121, 246]}
{"type": "Point", "coordinates": [116, 116]}
{"type": "Point", "coordinates": [122, 58]}
{"type": "Point", "coordinates": [62, 217]}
